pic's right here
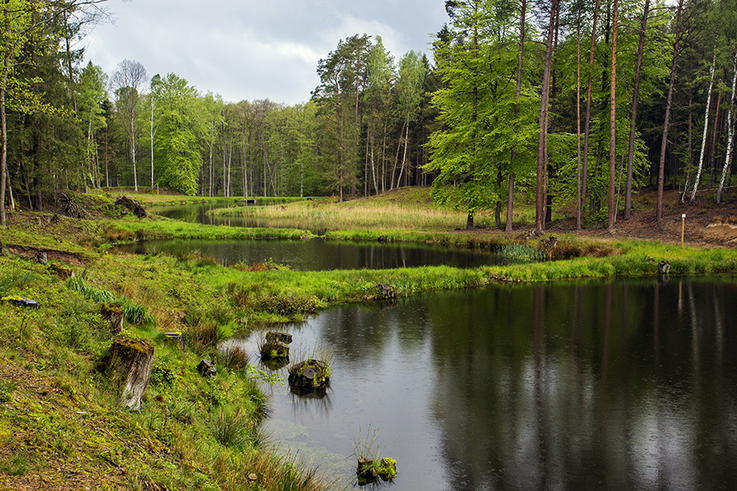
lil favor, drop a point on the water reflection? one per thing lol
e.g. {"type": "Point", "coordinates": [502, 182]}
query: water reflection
{"type": "Point", "coordinates": [319, 255]}
{"type": "Point", "coordinates": [623, 385]}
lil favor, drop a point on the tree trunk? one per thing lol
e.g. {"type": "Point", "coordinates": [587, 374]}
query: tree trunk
{"type": "Point", "coordinates": [613, 123]}
{"type": "Point", "coordinates": [404, 155]}
{"type": "Point", "coordinates": [518, 92]}
{"type": "Point", "coordinates": [152, 144]}
{"type": "Point", "coordinates": [578, 117]}
{"type": "Point", "coordinates": [3, 120]}
{"type": "Point", "coordinates": [633, 125]}
{"type": "Point", "coordinates": [730, 134]}
{"type": "Point", "coordinates": [664, 143]}
{"type": "Point", "coordinates": [542, 137]}
{"type": "Point", "coordinates": [706, 125]}
{"type": "Point", "coordinates": [133, 150]}
{"type": "Point", "coordinates": [587, 119]}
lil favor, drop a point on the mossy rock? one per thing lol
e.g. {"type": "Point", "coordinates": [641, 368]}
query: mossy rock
{"type": "Point", "coordinates": [310, 373]}
{"type": "Point", "coordinates": [20, 301]}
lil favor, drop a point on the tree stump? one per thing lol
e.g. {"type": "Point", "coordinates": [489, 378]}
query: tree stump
{"type": "Point", "coordinates": [175, 339]}
{"type": "Point", "coordinates": [274, 350]}
{"type": "Point", "coordinates": [366, 471]}
{"type": "Point", "coordinates": [282, 337]}
{"type": "Point", "coordinates": [113, 313]}
{"type": "Point", "coordinates": [132, 205]}
{"type": "Point", "coordinates": [386, 292]}
{"type": "Point", "coordinates": [312, 374]}
{"type": "Point", "coordinates": [128, 365]}
{"type": "Point", "coordinates": [207, 369]}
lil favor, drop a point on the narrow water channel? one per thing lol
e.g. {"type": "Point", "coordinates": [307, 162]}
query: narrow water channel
{"type": "Point", "coordinates": [575, 386]}
{"type": "Point", "coordinates": [320, 255]}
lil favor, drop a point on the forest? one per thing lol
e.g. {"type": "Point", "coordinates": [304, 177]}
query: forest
{"type": "Point", "coordinates": [569, 104]}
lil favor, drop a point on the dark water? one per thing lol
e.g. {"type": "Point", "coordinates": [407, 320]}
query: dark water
{"type": "Point", "coordinates": [197, 213]}
{"type": "Point", "coordinates": [629, 385]}
{"type": "Point", "coordinates": [319, 255]}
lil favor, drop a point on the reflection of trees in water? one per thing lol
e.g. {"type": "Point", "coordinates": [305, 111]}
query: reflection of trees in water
{"type": "Point", "coordinates": [613, 386]}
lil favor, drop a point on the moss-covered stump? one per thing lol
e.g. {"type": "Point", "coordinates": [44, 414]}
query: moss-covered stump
{"type": "Point", "coordinates": [174, 339]}
{"type": "Point", "coordinates": [207, 369]}
{"type": "Point", "coordinates": [113, 313]}
{"type": "Point", "coordinates": [131, 205]}
{"type": "Point", "coordinates": [366, 471]}
{"type": "Point", "coordinates": [61, 271]}
{"type": "Point", "coordinates": [387, 469]}
{"type": "Point", "coordinates": [385, 292]}
{"type": "Point", "coordinates": [309, 374]}
{"type": "Point", "coordinates": [128, 365]}
{"type": "Point", "coordinates": [282, 337]}
{"type": "Point", "coordinates": [274, 350]}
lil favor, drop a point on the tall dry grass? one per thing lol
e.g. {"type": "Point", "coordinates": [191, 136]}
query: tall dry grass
{"type": "Point", "coordinates": [363, 214]}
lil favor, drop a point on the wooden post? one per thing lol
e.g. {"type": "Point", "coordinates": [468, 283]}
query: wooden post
{"type": "Point", "coordinates": [683, 227]}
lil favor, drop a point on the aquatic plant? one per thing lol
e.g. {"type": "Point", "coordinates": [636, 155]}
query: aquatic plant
{"type": "Point", "coordinates": [370, 466]}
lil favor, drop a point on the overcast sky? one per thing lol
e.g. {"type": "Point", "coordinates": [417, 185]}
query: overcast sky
{"type": "Point", "coordinates": [253, 49]}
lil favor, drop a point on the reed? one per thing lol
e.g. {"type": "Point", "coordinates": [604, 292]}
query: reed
{"type": "Point", "coordinates": [351, 215]}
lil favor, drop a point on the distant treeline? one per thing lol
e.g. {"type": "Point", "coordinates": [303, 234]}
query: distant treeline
{"type": "Point", "coordinates": [575, 103]}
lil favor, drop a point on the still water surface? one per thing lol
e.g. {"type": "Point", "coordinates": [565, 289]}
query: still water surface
{"type": "Point", "coordinates": [576, 386]}
{"type": "Point", "coordinates": [319, 255]}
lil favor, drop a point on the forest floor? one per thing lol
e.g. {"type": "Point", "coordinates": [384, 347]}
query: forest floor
{"type": "Point", "coordinates": [705, 224]}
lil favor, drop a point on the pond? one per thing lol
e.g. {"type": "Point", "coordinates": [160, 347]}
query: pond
{"type": "Point", "coordinates": [319, 255]}
{"type": "Point", "coordinates": [574, 386]}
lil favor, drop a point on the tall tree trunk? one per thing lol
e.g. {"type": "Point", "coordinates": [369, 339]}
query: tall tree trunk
{"type": "Point", "coordinates": [578, 116]}
{"type": "Point", "coordinates": [714, 133]}
{"type": "Point", "coordinates": [633, 124]}
{"type": "Point", "coordinates": [133, 149]}
{"type": "Point", "coordinates": [587, 119]}
{"type": "Point", "coordinates": [551, 170]}
{"type": "Point", "coordinates": [404, 156]}
{"type": "Point", "coordinates": [669, 102]}
{"type": "Point", "coordinates": [730, 134]}
{"type": "Point", "coordinates": [3, 120]}
{"type": "Point", "coordinates": [518, 92]}
{"type": "Point", "coordinates": [152, 143]}
{"type": "Point", "coordinates": [543, 126]}
{"type": "Point", "coordinates": [613, 123]}
{"type": "Point", "coordinates": [706, 125]}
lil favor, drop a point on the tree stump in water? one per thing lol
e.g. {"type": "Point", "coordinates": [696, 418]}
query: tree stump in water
{"type": "Point", "coordinates": [274, 350]}
{"type": "Point", "coordinates": [113, 313]}
{"type": "Point", "coordinates": [386, 292]}
{"type": "Point", "coordinates": [128, 364]}
{"type": "Point", "coordinates": [282, 337]}
{"type": "Point", "coordinates": [312, 374]}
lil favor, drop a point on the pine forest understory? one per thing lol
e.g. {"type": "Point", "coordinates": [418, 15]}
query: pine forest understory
{"type": "Point", "coordinates": [569, 104]}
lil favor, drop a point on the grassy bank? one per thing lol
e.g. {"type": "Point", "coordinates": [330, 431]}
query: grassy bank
{"type": "Point", "coordinates": [62, 426]}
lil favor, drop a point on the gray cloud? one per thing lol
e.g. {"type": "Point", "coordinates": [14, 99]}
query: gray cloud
{"type": "Point", "coordinates": [246, 49]}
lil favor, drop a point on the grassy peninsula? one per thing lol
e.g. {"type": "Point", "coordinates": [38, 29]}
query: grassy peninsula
{"type": "Point", "coordinates": [62, 426]}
